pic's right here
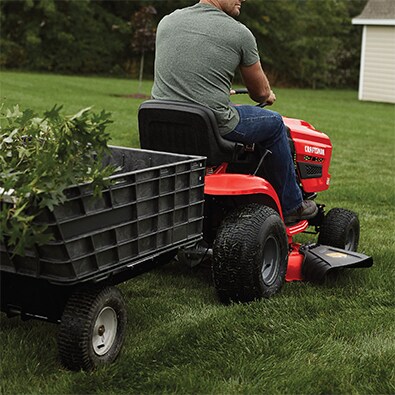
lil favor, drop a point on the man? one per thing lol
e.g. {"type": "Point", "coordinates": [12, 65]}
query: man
{"type": "Point", "coordinates": [198, 50]}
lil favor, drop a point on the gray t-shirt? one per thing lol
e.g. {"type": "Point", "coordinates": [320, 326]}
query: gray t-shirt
{"type": "Point", "coordinates": [198, 49]}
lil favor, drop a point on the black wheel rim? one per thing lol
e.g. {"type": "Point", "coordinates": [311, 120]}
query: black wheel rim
{"type": "Point", "coordinates": [270, 264]}
{"type": "Point", "coordinates": [350, 240]}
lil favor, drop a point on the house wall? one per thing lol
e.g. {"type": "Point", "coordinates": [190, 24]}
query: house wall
{"type": "Point", "coordinates": [377, 77]}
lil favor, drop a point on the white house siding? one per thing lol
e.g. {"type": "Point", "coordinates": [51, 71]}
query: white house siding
{"type": "Point", "coordinates": [377, 79]}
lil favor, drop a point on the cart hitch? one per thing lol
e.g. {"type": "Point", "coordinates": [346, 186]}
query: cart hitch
{"type": "Point", "coordinates": [319, 260]}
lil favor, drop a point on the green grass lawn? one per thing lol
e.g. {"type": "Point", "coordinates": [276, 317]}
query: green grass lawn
{"type": "Point", "coordinates": [333, 338]}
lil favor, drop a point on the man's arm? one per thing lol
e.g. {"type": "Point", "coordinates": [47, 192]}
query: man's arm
{"type": "Point", "coordinates": [257, 83]}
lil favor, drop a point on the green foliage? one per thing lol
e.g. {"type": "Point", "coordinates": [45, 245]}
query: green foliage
{"type": "Point", "coordinates": [61, 36]}
{"type": "Point", "coordinates": [305, 43]}
{"type": "Point", "coordinates": [39, 158]}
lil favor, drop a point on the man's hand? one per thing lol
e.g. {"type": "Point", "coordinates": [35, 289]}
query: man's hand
{"type": "Point", "coordinates": [271, 99]}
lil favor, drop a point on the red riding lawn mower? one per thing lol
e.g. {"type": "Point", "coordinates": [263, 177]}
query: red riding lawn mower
{"type": "Point", "coordinates": [251, 249]}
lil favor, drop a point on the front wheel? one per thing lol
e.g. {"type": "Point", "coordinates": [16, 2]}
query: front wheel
{"type": "Point", "coordinates": [92, 328]}
{"type": "Point", "coordinates": [250, 254]}
{"type": "Point", "coordinates": [340, 229]}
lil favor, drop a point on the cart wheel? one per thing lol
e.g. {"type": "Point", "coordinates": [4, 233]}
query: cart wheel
{"type": "Point", "coordinates": [250, 254]}
{"type": "Point", "coordinates": [92, 328]}
{"type": "Point", "coordinates": [340, 229]}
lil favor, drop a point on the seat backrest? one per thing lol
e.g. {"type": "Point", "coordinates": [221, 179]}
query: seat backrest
{"type": "Point", "coordinates": [183, 128]}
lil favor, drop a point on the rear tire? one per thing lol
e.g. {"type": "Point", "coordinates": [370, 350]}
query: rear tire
{"type": "Point", "coordinates": [340, 229]}
{"type": "Point", "coordinates": [92, 328]}
{"type": "Point", "coordinates": [250, 254]}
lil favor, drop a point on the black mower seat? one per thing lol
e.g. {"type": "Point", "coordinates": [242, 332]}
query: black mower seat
{"type": "Point", "coordinates": [184, 128]}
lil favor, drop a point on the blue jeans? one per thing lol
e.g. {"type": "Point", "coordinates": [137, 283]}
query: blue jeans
{"type": "Point", "coordinates": [266, 129]}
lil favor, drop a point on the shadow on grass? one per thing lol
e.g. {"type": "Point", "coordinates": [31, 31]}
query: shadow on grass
{"type": "Point", "coordinates": [132, 96]}
{"type": "Point", "coordinates": [200, 273]}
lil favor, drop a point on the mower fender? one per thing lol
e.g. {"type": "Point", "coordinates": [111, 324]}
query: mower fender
{"type": "Point", "coordinates": [226, 184]}
{"type": "Point", "coordinates": [319, 260]}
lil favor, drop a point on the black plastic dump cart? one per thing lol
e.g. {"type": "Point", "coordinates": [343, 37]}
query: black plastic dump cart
{"type": "Point", "coordinates": [153, 206]}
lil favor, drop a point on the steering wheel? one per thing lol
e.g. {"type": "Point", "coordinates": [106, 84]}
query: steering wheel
{"type": "Point", "coordinates": [244, 91]}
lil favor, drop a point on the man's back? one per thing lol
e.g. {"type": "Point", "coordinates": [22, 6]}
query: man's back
{"type": "Point", "coordinates": [197, 52]}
